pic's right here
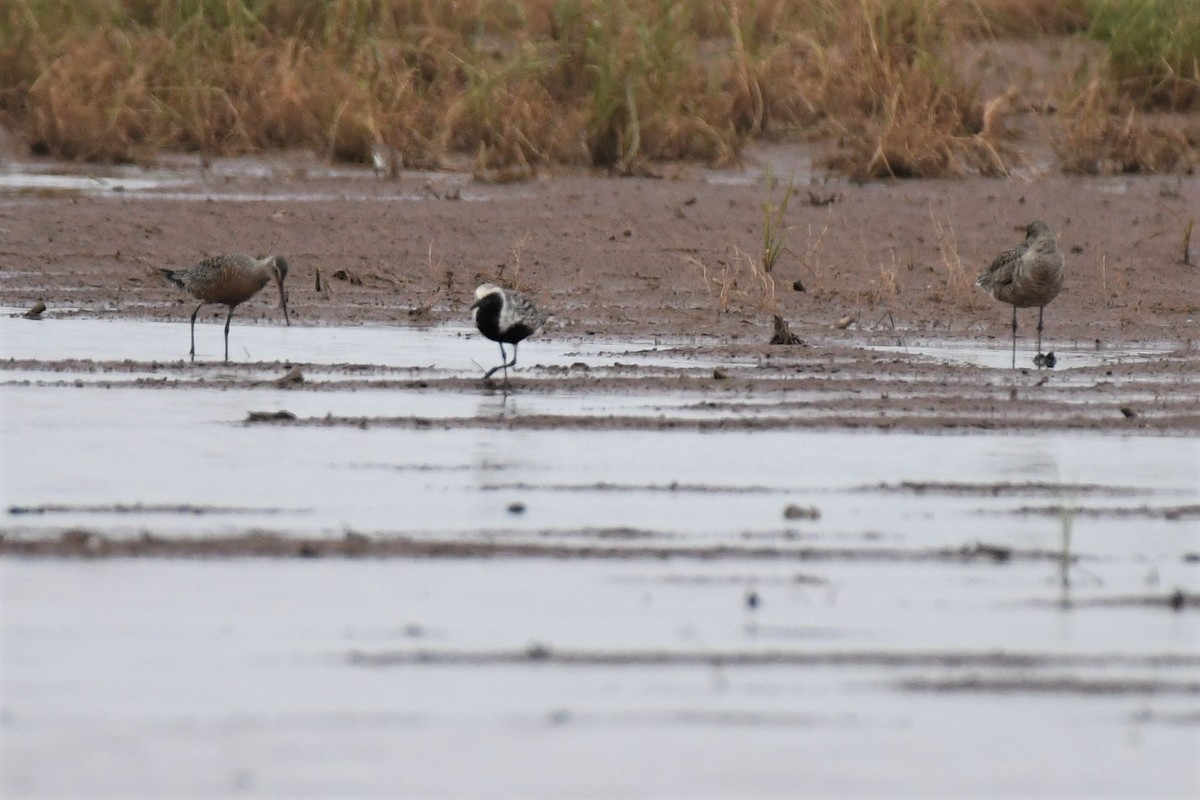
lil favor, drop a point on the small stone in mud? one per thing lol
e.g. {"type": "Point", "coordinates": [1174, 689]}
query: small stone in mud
{"type": "Point", "coordinates": [36, 311]}
{"type": "Point", "coordinates": [793, 511]}
{"type": "Point", "coordinates": [1128, 412]}
{"type": "Point", "coordinates": [269, 416]}
{"type": "Point", "coordinates": [797, 285]}
{"type": "Point", "coordinates": [1177, 600]}
{"type": "Point", "coordinates": [356, 543]}
{"type": "Point", "coordinates": [292, 376]}
{"type": "Point", "coordinates": [980, 550]}
{"type": "Point", "coordinates": [516, 508]}
{"type": "Point", "coordinates": [844, 322]}
{"type": "Point", "coordinates": [719, 374]}
{"type": "Point", "coordinates": [77, 539]}
{"type": "Point", "coordinates": [537, 652]}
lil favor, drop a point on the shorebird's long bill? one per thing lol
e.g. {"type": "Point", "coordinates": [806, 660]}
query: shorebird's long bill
{"type": "Point", "coordinates": [283, 303]}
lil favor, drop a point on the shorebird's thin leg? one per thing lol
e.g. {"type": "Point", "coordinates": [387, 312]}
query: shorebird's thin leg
{"type": "Point", "coordinates": [192, 352]}
{"type": "Point", "coordinates": [1014, 343]}
{"type": "Point", "coordinates": [1040, 310]}
{"type": "Point", "coordinates": [228, 319]}
{"type": "Point", "coordinates": [502, 365]}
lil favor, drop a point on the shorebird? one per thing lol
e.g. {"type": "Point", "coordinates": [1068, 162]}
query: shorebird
{"type": "Point", "coordinates": [1026, 276]}
{"type": "Point", "coordinates": [506, 317]}
{"type": "Point", "coordinates": [229, 280]}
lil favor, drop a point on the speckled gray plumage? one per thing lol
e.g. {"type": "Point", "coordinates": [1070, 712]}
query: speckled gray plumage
{"type": "Point", "coordinates": [229, 280]}
{"type": "Point", "coordinates": [1030, 275]}
{"type": "Point", "coordinates": [1027, 276]}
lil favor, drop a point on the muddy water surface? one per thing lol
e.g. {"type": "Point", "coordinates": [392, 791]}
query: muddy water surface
{"type": "Point", "coordinates": [625, 575]}
{"type": "Point", "coordinates": [668, 560]}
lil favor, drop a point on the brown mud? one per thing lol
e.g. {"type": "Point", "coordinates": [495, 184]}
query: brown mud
{"type": "Point", "coordinates": [630, 257]}
{"type": "Point", "coordinates": [677, 258]}
{"type": "Point", "coordinates": [89, 544]}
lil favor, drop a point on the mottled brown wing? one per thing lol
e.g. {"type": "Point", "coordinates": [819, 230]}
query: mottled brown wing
{"type": "Point", "coordinates": [1002, 270]}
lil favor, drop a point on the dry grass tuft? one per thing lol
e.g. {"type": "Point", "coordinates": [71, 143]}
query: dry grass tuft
{"type": "Point", "coordinates": [1154, 50]}
{"type": "Point", "coordinates": [1102, 134]}
{"type": "Point", "coordinates": [1021, 17]}
{"type": "Point", "coordinates": [741, 284]}
{"type": "Point", "coordinates": [916, 118]}
{"type": "Point", "coordinates": [522, 84]}
{"type": "Point", "coordinates": [960, 283]}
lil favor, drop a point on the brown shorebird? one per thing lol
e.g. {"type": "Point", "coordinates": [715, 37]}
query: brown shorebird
{"type": "Point", "coordinates": [229, 280]}
{"type": "Point", "coordinates": [1027, 276]}
{"type": "Point", "coordinates": [506, 317]}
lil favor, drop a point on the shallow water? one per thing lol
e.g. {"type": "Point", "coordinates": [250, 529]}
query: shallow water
{"type": "Point", "coordinates": [869, 648]}
{"type": "Point", "coordinates": [1070, 355]}
{"type": "Point", "coordinates": [184, 179]}
{"type": "Point", "coordinates": [440, 350]}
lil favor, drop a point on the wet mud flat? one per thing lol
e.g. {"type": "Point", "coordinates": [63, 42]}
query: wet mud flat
{"type": "Point", "coordinates": [666, 560]}
{"type": "Point", "coordinates": [729, 570]}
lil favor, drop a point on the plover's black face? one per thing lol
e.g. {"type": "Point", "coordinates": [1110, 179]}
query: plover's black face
{"type": "Point", "coordinates": [483, 292]}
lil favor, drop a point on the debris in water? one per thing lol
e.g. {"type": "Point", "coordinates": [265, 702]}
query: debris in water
{"type": "Point", "coordinates": [1047, 360]}
{"type": "Point", "coordinates": [290, 378]}
{"type": "Point", "coordinates": [347, 275]}
{"type": "Point", "coordinates": [269, 416]}
{"type": "Point", "coordinates": [783, 334]}
{"type": "Point", "coordinates": [793, 511]}
{"type": "Point", "coordinates": [36, 311]}
{"type": "Point", "coordinates": [537, 652]}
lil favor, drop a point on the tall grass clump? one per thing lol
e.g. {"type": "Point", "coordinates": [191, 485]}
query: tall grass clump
{"type": "Point", "coordinates": [1012, 18]}
{"type": "Point", "coordinates": [521, 84]}
{"type": "Point", "coordinates": [915, 116]}
{"type": "Point", "coordinates": [1103, 133]}
{"type": "Point", "coordinates": [1153, 47]}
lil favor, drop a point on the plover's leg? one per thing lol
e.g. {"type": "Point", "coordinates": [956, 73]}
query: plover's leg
{"type": "Point", "coordinates": [512, 363]}
{"type": "Point", "coordinates": [502, 366]}
{"type": "Point", "coordinates": [505, 364]}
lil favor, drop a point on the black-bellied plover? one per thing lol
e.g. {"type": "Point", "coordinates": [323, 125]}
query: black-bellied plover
{"type": "Point", "coordinates": [1027, 276]}
{"type": "Point", "coordinates": [229, 280]}
{"type": "Point", "coordinates": [506, 317]}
